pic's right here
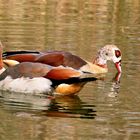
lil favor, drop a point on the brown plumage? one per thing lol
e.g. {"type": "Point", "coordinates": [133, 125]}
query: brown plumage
{"type": "Point", "coordinates": [53, 58]}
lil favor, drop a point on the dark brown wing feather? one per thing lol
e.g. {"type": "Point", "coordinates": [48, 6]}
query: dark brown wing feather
{"type": "Point", "coordinates": [22, 57]}
{"type": "Point", "coordinates": [62, 73]}
{"type": "Point", "coordinates": [51, 59]}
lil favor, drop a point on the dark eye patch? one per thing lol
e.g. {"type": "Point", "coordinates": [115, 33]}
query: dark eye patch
{"type": "Point", "coordinates": [117, 53]}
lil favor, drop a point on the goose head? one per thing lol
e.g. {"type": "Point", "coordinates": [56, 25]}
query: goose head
{"type": "Point", "coordinates": [111, 53]}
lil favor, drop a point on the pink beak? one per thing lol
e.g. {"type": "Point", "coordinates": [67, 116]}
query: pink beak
{"type": "Point", "coordinates": [118, 66]}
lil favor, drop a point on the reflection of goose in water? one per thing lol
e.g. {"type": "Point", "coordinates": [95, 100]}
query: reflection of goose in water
{"type": "Point", "coordinates": [65, 106]}
{"type": "Point", "coordinates": [115, 85]}
{"type": "Point", "coordinates": [71, 107]}
{"type": "Point", "coordinates": [24, 101]}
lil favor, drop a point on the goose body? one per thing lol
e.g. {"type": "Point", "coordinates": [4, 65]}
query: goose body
{"type": "Point", "coordinates": [35, 78]}
{"type": "Point", "coordinates": [36, 72]}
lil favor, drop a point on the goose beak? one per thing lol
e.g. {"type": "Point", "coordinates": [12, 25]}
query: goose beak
{"type": "Point", "coordinates": [118, 66]}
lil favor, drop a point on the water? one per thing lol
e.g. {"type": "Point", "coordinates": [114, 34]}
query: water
{"type": "Point", "coordinates": [103, 110]}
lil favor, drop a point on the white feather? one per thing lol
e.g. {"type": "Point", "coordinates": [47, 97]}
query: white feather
{"type": "Point", "coordinates": [26, 85]}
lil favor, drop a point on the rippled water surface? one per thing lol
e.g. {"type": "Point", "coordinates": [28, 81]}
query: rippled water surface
{"type": "Point", "coordinates": [104, 109]}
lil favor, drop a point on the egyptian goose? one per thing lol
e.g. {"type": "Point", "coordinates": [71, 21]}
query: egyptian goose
{"type": "Point", "coordinates": [56, 58]}
{"type": "Point", "coordinates": [29, 77]}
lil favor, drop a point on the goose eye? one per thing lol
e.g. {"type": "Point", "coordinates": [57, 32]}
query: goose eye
{"type": "Point", "coordinates": [117, 53]}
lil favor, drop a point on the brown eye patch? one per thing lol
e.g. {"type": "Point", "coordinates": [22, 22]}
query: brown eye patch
{"type": "Point", "coordinates": [117, 53]}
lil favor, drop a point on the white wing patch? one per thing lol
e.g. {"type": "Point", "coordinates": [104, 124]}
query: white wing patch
{"type": "Point", "coordinates": [26, 85]}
